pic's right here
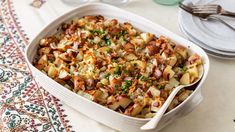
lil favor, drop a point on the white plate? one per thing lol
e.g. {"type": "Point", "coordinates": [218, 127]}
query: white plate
{"type": "Point", "coordinates": [209, 50]}
{"type": "Point", "coordinates": [98, 112]}
{"type": "Point", "coordinates": [211, 33]}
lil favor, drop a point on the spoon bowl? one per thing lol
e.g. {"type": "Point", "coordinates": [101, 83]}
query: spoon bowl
{"type": "Point", "coordinates": [155, 120]}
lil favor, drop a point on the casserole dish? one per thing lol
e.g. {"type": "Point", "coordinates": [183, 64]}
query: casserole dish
{"type": "Point", "coordinates": [93, 110]}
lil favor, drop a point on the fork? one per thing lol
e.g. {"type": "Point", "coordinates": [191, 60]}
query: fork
{"type": "Point", "coordinates": [203, 16]}
{"type": "Point", "coordinates": [212, 9]}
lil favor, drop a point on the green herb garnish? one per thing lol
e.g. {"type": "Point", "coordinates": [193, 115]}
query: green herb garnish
{"type": "Point", "coordinates": [143, 78]}
{"type": "Point", "coordinates": [107, 75]}
{"type": "Point", "coordinates": [184, 69]}
{"type": "Point", "coordinates": [107, 41]}
{"type": "Point", "coordinates": [126, 85]}
{"type": "Point", "coordinates": [160, 87]}
{"type": "Point", "coordinates": [126, 71]}
{"type": "Point", "coordinates": [117, 70]}
{"type": "Point", "coordinates": [122, 33]}
{"type": "Point", "coordinates": [116, 86]}
{"type": "Point", "coordinates": [97, 31]}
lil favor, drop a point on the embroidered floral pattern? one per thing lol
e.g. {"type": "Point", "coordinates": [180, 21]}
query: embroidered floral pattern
{"type": "Point", "coordinates": [24, 106]}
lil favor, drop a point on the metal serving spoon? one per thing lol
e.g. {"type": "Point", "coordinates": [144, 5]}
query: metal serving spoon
{"type": "Point", "coordinates": [155, 120]}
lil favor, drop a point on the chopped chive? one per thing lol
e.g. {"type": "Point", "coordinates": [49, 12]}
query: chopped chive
{"type": "Point", "coordinates": [160, 86]}
{"type": "Point", "coordinates": [97, 31]}
{"type": "Point", "coordinates": [126, 71]}
{"type": "Point", "coordinates": [107, 75]}
{"type": "Point", "coordinates": [143, 78]}
{"type": "Point", "coordinates": [126, 85]}
{"type": "Point", "coordinates": [117, 70]}
{"type": "Point", "coordinates": [107, 41]}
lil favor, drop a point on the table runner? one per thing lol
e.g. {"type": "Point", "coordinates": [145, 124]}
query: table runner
{"type": "Point", "coordinates": [24, 105]}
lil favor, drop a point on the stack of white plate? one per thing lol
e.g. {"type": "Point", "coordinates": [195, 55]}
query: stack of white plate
{"type": "Point", "coordinates": [214, 37]}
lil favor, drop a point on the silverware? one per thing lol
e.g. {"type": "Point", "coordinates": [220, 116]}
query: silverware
{"type": "Point", "coordinates": [213, 9]}
{"type": "Point", "coordinates": [204, 16]}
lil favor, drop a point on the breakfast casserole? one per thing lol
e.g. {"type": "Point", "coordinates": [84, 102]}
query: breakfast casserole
{"type": "Point", "coordinates": [117, 65]}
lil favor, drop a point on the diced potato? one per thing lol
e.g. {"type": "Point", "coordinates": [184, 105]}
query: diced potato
{"type": "Point", "coordinates": [88, 96]}
{"type": "Point", "coordinates": [164, 55]}
{"type": "Point", "coordinates": [149, 69]}
{"type": "Point", "coordinates": [43, 60]}
{"type": "Point", "coordinates": [56, 53]}
{"type": "Point", "coordinates": [154, 91]}
{"type": "Point", "coordinates": [173, 104]}
{"type": "Point", "coordinates": [79, 83]}
{"type": "Point", "coordinates": [146, 37]}
{"type": "Point", "coordinates": [96, 39]}
{"type": "Point", "coordinates": [123, 101]}
{"type": "Point", "coordinates": [185, 79]}
{"type": "Point", "coordinates": [173, 82]}
{"type": "Point", "coordinates": [172, 60]}
{"type": "Point", "coordinates": [104, 94]}
{"type": "Point", "coordinates": [137, 108]}
{"type": "Point", "coordinates": [184, 95]}
{"type": "Point", "coordinates": [168, 73]}
{"type": "Point", "coordinates": [64, 75]}
{"type": "Point", "coordinates": [193, 72]}
{"type": "Point", "coordinates": [140, 64]}
{"type": "Point", "coordinates": [104, 81]}
{"type": "Point", "coordinates": [43, 42]}
{"type": "Point", "coordinates": [65, 57]}
{"type": "Point", "coordinates": [147, 101]}
{"type": "Point", "coordinates": [44, 50]}
{"type": "Point", "coordinates": [85, 34]}
{"type": "Point", "coordinates": [130, 57]}
{"type": "Point", "coordinates": [168, 87]}
{"type": "Point", "coordinates": [96, 94]}
{"type": "Point", "coordinates": [104, 50]}
{"type": "Point", "coordinates": [195, 58]}
{"type": "Point", "coordinates": [112, 103]}
{"type": "Point", "coordinates": [52, 71]}
{"type": "Point", "coordinates": [145, 111]}
{"type": "Point", "coordinates": [59, 62]}
{"type": "Point", "coordinates": [150, 115]}
{"type": "Point", "coordinates": [114, 106]}
{"type": "Point", "coordinates": [138, 41]}
{"type": "Point", "coordinates": [80, 56]}
{"type": "Point", "coordinates": [155, 106]}
{"type": "Point", "coordinates": [115, 82]}
{"type": "Point", "coordinates": [181, 50]}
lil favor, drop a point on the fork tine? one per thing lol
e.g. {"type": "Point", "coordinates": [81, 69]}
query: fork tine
{"type": "Point", "coordinates": [205, 10]}
{"type": "Point", "coordinates": [208, 5]}
{"type": "Point", "coordinates": [205, 7]}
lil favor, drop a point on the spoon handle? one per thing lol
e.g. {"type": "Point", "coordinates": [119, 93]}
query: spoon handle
{"type": "Point", "coordinates": [222, 21]}
{"type": "Point", "coordinates": [155, 120]}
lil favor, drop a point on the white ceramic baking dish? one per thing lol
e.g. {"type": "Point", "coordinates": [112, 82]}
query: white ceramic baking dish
{"type": "Point", "coordinates": [93, 110]}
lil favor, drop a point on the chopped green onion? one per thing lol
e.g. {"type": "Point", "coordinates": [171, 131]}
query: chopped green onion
{"type": "Point", "coordinates": [160, 86]}
{"type": "Point", "coordinates": [126, 85]}
{"type": "Point", "coordinates": [117, 70]}
{"type": "Point", "coordinates": [97, 31]}
{"type": "Point", "coordinates": [107, 75]}
{"type": "Point", "coordinates": [126, 71]}
{"type": "Point", "coordinates": [143, 78]}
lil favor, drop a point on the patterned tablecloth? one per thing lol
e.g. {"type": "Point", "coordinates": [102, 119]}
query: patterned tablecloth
{"type": "Point", "coordinates": [24, 105]}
